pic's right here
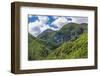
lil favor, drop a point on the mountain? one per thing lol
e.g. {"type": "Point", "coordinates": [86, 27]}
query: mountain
{"type": "Point", "coordinates": [71, 49]}
{"type": "Point", "coordinates": [47, 34]}
{"type": "Point", "coordinates": [70, 42]}
{"type": "Point", "coordinates": [68, 32]}
{"type": "Point", "coordinates": [84, 26]}
{"type": "Point", "coordinates": [36, 48]}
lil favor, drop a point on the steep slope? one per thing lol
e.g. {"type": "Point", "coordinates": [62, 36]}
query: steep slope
{"type": "Point", "coordinates": [48, 36]}
{"type": "Point", "coordinates": [70, 42]}
{"type": "Point", "coordinates": [68, 32]}
{"type": "Point", "coordinates": [47, 33]}
{"type": "Point", "coordinates": [71, 49]}
{"type": "Point", "coordinates": [36, 49]}
{"type": "Point", "coordinates": [84, 26]}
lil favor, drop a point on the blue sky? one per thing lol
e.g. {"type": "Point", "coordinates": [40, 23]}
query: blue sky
{"type": "Point", "coordinates": [39, 23]}
{"type": "Point", "coordinates": [33, 18]}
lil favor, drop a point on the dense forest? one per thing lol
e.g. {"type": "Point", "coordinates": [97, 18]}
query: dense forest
{"type": "Point", "coordinates": [70, 42]}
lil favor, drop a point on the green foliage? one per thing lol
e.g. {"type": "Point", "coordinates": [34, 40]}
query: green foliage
{"type": "Point", "coordinates": [71, 49]}
{"type": "Point", "coordinates": [36, 49]}
{"type": "Point", "coordinates": [72, 43]}
{"type": "Point", "coordinates": [68, 32]}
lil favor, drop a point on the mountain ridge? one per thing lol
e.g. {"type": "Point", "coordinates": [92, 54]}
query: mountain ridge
{"type": "Point", "coordinates": [51, 43]}
{"type": "Point", "coordinates": [67, 32]}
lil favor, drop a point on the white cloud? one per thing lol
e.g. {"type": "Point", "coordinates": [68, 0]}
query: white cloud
{"type": "Point", "coordinates": [44, 27]}
{"type": "Point", "coordinates": [79, 20]}
{"type": "Point", "coordinates": [34, 28]}
{"type": "Point", "coordinates": [60, 22]}
{"type": "Point", "coordinates": [82, 20]}
{"type": "Point", "coordinates": [43, 19]}
{"type": "Point", "coordinates": [37, 27]}
{"type": "Point", "coordinates": [73, 20]}
{"type": "Point", "coordinates": [55, 17]}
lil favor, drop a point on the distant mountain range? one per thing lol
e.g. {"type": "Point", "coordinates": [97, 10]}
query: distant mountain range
{"type": "Point", "coordinates": [68, 42]}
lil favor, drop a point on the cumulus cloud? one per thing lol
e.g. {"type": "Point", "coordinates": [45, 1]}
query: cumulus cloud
{"type": "Point", "coordinates": [79, 20]}
{"type": "Point", "coordinates": [41, 23]}
{"type": "Point", "coordinates": [55, 17]}
{"type": "Point", "coordinates": [43, 19]}
{"type": "Point", "coordinates": [60, 22]}
{"type": "Point", "coordinates": [35, 28]}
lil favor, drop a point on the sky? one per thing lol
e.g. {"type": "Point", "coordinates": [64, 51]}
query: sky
{"type": "Point", "coordinates": [39, 23]}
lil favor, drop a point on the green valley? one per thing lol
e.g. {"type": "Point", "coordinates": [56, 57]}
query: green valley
{"type": "Point", "coordinates": [70, 42]}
